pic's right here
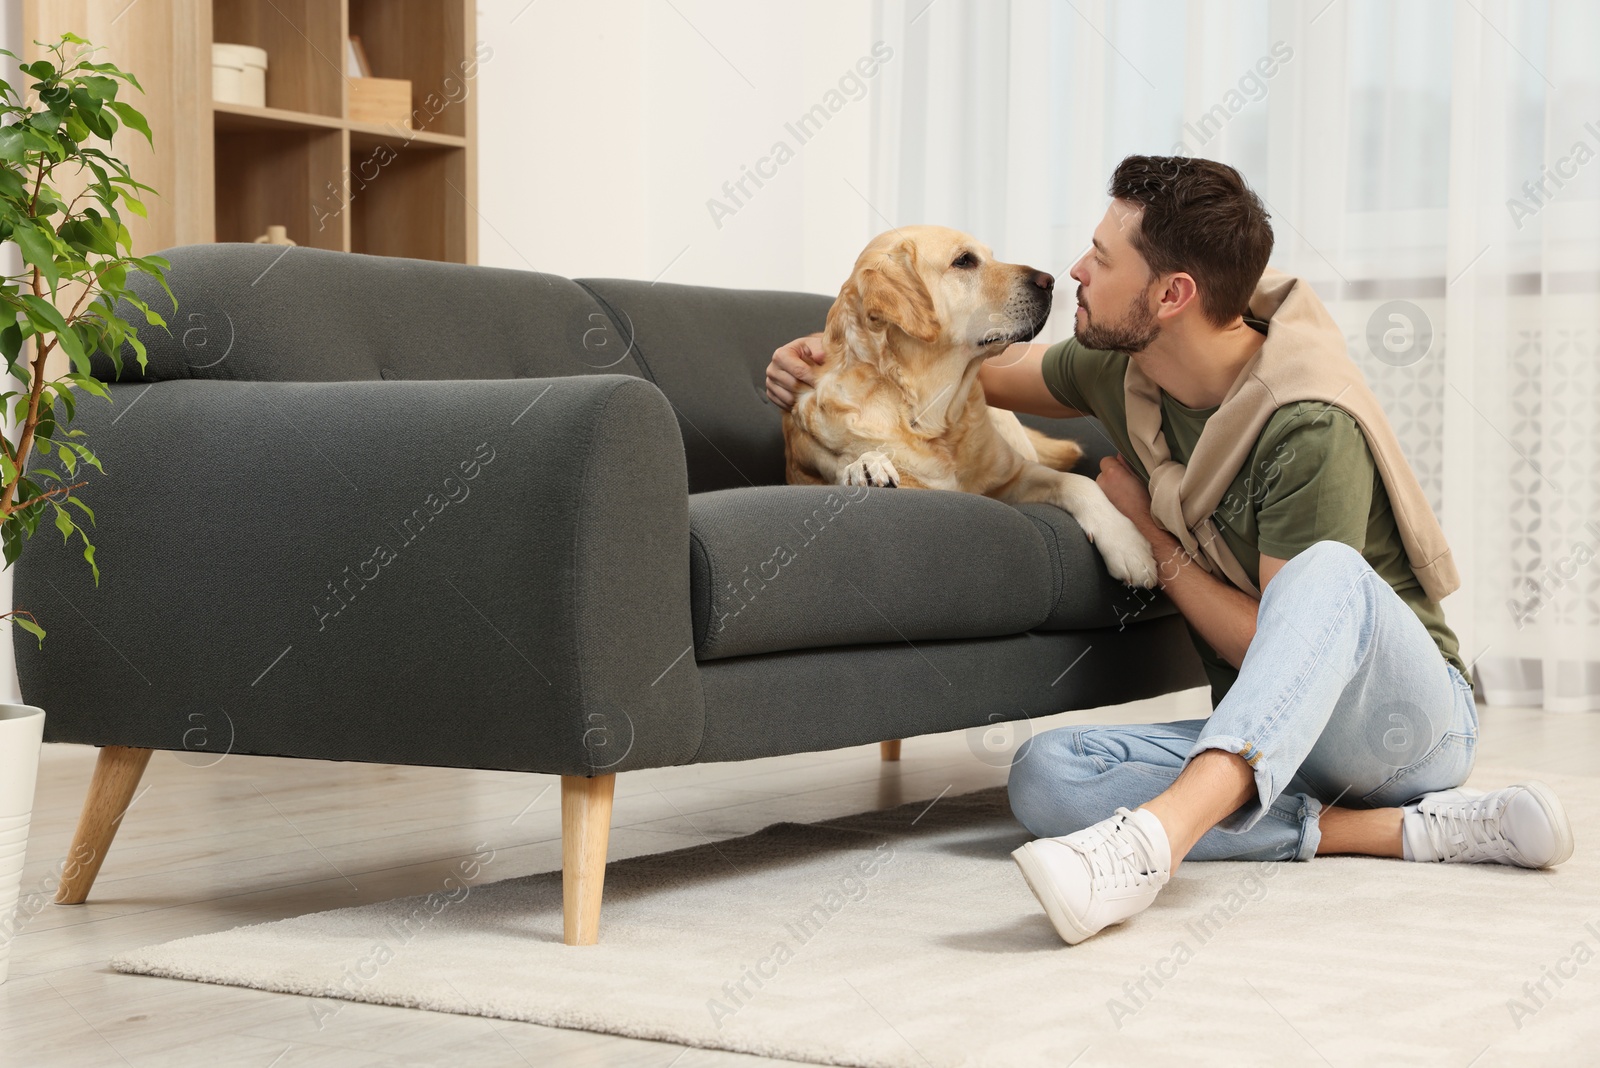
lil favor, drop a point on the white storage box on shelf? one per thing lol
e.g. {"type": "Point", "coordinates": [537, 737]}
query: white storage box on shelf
{"type": "Point", "coordinates": [239, 74]}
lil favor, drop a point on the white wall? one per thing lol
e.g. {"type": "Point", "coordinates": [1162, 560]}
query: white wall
{"type": "Point", "coordinates": [10, 263]}
{"type": "Point", "coordinates": [605, 126]}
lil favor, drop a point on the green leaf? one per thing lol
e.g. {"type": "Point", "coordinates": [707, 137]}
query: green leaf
{"type": "Point", "coordinates": [86, 509]}
{"type": "Point", "coordinates": [138, 348]}
{"type": "Point", "coordinates": [28, 625]}
{"type": "Point", "coordinates": [93, 234]}
{"type": "Point", "coordinates": [92, 384]}
{"type": "Point", "coordinates": [82, 450]}
{"type": "Point", "coordinates": [58, 98]}
{"type": "Point", "coordinates": [100, 124]}
{"type": "Point", "coordinates": [103, 88]}
{"type": "Point", "coordinates": [12, 185]}
{"type": "Point", "coordinates": [64, 524]}
{"type": "Point", "coordinates": [38, 250]}
{"type": "Point", "coordinates": [44, 125]}
{"type": "Point", "coordinates": [67, 402]}
{"type": "Point", "coordinates": [11, 342]}
{"type": "Point", "coordinates": [41, 309]}
{"type": "Point", "coordinates": [11, 538]}
{"type": "Point", "coordinates": [135, 205]}
{"type": "Point", "coordinates": [88, 550]}
{"type": "Point", "coordinates": [131, 118]}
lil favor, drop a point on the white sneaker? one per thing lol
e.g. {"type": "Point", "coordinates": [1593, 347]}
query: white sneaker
{"type": "Point", "coordinates": [1523, 825]}
{"type": "Point", "coordinates": [1100, 875]}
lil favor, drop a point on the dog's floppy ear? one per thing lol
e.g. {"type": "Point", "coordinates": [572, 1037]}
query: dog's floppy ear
{"type": "Point", "coordinates": [893, 294]}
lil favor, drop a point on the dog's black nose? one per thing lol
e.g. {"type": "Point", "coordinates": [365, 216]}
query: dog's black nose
{"type": "Point", "coordinates": [1044, 281]}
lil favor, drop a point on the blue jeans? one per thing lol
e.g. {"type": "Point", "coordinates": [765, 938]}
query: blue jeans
{"type": "Point", "coordinates": [1343, 697]}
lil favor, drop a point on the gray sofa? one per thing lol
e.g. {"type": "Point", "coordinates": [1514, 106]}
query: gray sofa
{"type": "Point", "coordinates": [389, 510]}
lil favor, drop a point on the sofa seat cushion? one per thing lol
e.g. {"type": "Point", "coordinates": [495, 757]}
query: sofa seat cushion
{"type": "Point", "coordinates": [774, 568]}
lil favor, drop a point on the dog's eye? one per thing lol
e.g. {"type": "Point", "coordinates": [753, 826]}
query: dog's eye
{"type": "Point", "coordinates": [965, 260]}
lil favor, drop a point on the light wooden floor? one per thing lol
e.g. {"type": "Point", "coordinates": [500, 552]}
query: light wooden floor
{"type": "Point", "coordinates": [251, 839]}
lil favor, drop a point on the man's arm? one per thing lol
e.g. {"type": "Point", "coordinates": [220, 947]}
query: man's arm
{"type": "Point", "coordinates": [1014, 380]}
{"type": "Point", "coordinates": [1224, 616]}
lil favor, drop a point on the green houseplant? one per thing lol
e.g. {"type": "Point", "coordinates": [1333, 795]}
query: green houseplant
{"type": "Point", "coordinates": [66, 246]}
{"type": "Point", "coordinates": [76, 257]}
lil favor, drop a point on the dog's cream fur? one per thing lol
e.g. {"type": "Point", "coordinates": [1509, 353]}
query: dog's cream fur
{"type": "Point", "coordinates": [897, 401]}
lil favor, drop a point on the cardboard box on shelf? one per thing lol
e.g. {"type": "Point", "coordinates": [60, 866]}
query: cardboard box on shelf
{"type": "Point", "coordinates": [381, 100]}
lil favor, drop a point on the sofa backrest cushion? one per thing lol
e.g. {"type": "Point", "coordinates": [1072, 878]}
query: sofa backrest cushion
{"type": "Point", "coordinates": [251, 312]}
{"type": "Point", "coordinates": [707, 349]}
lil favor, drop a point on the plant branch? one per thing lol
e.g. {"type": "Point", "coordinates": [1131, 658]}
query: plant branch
{"type": "Point", "coordinates": [51, 492]}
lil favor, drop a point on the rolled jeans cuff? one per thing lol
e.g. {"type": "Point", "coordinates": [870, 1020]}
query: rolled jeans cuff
{"type": "Point", "coordinates": [1248, 814]}
{"type": "Point", "coordinates": [1304, 810]}
{"type": "Point", "coordinates": [1299, 809]}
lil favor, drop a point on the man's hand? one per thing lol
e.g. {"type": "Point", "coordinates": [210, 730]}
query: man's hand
{"type": "Point", "coordinates": [796, 362]}
{"type": "Point", "coordinates": [1127, 492]}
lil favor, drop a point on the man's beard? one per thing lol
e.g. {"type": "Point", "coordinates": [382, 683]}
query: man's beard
{"type": "Point", "coordinates": [1134, 333]}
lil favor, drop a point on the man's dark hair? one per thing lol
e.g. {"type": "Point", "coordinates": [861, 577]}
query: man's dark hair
{"type": "Point", "coordinates": [1200, 218]}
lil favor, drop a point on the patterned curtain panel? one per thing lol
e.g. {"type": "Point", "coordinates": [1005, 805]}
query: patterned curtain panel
{"type": "Point", "coordinates": [1432, 167]}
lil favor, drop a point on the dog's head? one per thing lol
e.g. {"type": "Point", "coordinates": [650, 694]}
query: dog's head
{"type": "Point", "coordinates": [944, 289]}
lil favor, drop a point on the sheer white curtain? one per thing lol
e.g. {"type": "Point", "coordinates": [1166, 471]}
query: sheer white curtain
{"type": "Point", "coordinates": [1432, 167]}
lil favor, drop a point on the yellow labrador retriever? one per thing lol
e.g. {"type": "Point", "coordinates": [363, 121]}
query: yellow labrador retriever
{"type": "Point", "coordinates": [897, 401]}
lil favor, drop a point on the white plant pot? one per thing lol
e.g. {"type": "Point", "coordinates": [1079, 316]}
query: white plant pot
{"type": "Point", "coordinates": [21, 730]}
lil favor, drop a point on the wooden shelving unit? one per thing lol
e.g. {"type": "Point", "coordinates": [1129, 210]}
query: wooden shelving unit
{"type": "Point", "coordinates": [226, 171]}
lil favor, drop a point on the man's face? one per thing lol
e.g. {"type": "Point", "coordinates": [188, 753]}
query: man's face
{"type": "Point", "coordinates": [1114, 283]}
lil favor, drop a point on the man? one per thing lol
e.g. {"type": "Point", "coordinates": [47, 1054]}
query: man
{"type": "Point", "coordinates": [1343, 719]}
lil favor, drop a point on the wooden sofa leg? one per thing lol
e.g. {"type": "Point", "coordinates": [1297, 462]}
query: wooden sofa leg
{"type": "Point", "coordinates": [889, 750]}
{"type": "Point", "coordinates": [585, 830]}
{"type": "Point", "coordinates": [116, 776]}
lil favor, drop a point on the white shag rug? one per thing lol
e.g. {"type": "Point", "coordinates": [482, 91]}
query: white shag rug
{"type": "Point", "coordinates": [908, 938]}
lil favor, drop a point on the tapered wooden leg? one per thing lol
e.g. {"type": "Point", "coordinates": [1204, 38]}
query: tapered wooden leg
{"type": "Point", "coordinates": [889, 750]}
{"type": "Point", "coordinates": [116, 777]}
{"type": "Point", "coordinates": [585, 830]}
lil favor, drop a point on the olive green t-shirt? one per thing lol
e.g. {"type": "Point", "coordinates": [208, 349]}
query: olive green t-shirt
{"type": "Point", "coordinates": [1310, 478]}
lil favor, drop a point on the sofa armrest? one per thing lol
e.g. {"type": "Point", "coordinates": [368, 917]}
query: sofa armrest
{"type": "Point", "coordinates": [486, 574]}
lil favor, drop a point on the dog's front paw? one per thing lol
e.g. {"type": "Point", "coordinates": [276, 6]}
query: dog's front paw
{"type": "Point", "coordinates": [1126, 553]}
{"type": "Point", "coordinates": [871, 469]}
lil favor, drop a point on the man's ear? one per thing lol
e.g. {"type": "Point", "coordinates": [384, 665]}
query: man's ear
{"type": "Point", "coordinates": [1180, 291]}
{"type": "Point", "coordinates": [893, 294]}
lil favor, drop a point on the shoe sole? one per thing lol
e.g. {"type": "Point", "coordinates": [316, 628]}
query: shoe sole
{"type": "Point", "coordinates": [1066, 925]}
{"type": "Point", "coordinates": [1557, 815]}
